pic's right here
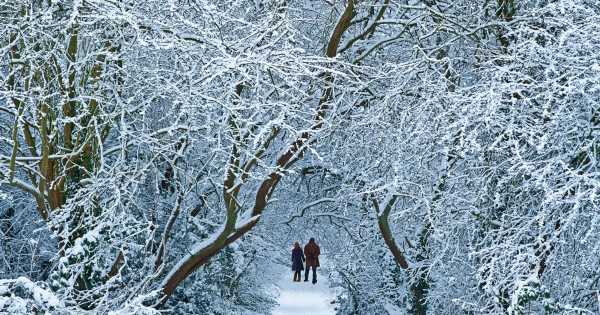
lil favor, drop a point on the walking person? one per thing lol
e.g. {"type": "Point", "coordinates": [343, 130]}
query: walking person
{"type": "Point", "coordinates": [297, 262]}
{"type": "Point", "coordinates": [312, 252]}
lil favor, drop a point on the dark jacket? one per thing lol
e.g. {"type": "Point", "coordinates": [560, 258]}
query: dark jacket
{"type": "Point", "coordinates": [297, 259]}
{"type": "Point", "coordinates": [312, 252]}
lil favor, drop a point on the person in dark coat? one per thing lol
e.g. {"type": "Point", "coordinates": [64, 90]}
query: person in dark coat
{"type": "Point", "coordinates": [312, 252]}
{"type": "Point", "coordinates": [297, 262]}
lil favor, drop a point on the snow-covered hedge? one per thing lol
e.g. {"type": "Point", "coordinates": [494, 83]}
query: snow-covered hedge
{"type": "Point", "coordinates": [23, 296]}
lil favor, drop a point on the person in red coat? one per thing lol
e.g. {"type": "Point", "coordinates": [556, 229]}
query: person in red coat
{"type": "Point", "coordinates": [312, 252]}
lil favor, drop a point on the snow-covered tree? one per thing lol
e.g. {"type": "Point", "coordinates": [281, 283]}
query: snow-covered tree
{"type": "Point", "coordinates": [158, 155]}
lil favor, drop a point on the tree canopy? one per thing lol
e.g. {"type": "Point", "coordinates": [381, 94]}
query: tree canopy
{"type": "Point", "coordinates": [162, 155]}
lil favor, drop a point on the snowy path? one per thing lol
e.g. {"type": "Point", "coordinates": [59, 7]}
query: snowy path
{"type": "Point", "coordinates": [304, 298]}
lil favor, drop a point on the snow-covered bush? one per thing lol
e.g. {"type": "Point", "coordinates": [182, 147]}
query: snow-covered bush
{"type": "Point", "coordinates": [22, 296]}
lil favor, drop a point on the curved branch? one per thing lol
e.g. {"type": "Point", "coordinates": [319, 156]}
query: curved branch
{"type": "Point", "coordinates": [384, 228]}
{"type": "Point", "coordinates": [230, 232]}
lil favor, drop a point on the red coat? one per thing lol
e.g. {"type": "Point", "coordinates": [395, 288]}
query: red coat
{"type": "Point", "coordinates": [312, 252]}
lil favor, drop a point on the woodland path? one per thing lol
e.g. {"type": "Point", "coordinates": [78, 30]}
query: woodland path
{"type": "Point", "coordinates": [304, 298]}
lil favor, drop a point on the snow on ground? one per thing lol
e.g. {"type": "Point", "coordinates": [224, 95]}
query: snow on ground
{"type": "Point", "coordinates": [304, 298]}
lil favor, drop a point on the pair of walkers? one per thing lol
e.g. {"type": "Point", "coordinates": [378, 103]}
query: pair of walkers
{"type": "Point", "coordinates": [310, 255]}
